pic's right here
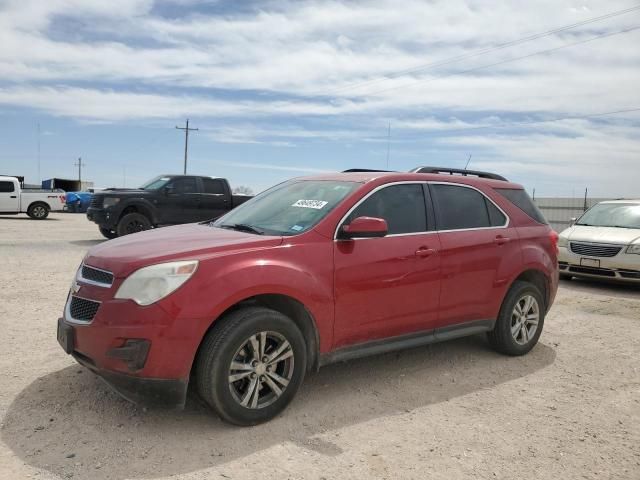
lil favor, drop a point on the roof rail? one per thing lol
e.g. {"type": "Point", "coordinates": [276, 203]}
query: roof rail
{"type": "Point", "coordinates": [459, 171]}
{"type": "Point", "coordinates": [352, 170]}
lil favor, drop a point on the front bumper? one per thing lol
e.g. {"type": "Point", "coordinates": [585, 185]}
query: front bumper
{"type": "Point", "coordinates": [145, 353]}
{"type": "Point", "coordinates": [137, 389]}
{"type": "Point", "coordinates": [103, 217]}
{"type": "Point", "coordinates": [622, 267]}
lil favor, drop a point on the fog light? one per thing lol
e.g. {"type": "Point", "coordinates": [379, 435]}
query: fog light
{"type": "Point", "coordinates": [134, 353]}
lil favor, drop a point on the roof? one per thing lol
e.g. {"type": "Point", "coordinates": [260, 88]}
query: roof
{"type": "Point", "coordinates": [388, 177]}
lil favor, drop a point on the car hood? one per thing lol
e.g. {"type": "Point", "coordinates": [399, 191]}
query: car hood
{"type": "Point", "coordinates": [620, 236]}
{"type": "Point", "coordinates": [183, 242]}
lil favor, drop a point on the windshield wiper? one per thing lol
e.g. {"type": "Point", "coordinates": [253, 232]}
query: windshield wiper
{"type": "Point", "coordinates": [242, 227]}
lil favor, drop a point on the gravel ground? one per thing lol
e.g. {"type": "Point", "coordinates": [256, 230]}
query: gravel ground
{"type": "Point", "coordinates": [570, 409]}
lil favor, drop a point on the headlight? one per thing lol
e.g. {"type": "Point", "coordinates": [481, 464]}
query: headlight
{"type": "Point", "coordinates": [562, 241]}
{"type": "Point", "coordinates": [150, 284]}
{"type": "Point", "coordinates": [634, 249]}
{"type": "Point", "coordinates": [110, 201]}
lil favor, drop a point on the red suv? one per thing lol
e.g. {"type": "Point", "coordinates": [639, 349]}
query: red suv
{"type": "Point", "coordinates": [312, 271]}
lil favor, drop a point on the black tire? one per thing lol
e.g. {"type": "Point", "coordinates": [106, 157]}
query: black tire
{"type": "Point", "coordinates": [107, 233]}
{"type": "Point", "coordinates": [38, 211]}
{"type": "Point", "coordinates": [566, 276]}
{"type": "Point", "coordinates": [501, 337]}
{"type": "Point", "coordinates": [226, 342]}
{"type": "Point", "coordinates": [132, 223]}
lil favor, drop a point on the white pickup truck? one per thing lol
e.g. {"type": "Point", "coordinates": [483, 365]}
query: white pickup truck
{"type": "Point", "coordinates": [35, 203]}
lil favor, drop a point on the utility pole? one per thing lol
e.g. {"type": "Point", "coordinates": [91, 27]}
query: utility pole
{"type": "Point", "coordinates": [186, 142]}
{"type": "Point", "coordinates": [39, 177]}
{"type": "Point", "coordinates": [79, 165]}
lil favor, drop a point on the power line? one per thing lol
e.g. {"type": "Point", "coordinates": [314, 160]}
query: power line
{"type": "Point", "coordinates": [502, 62]}
{"type": "Point", "coordinates": [534, 122]}
{"type": "Point", "coordinates": [511, 43]}
{"type": "Point", "coordinates": [186, 141]}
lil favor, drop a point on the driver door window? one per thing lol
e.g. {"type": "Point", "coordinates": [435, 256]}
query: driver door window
{"type": "Point", "coordinates": [402, 206]}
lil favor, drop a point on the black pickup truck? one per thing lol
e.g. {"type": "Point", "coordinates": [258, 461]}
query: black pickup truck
{"type": "Point", "coordinates": [165, 200]}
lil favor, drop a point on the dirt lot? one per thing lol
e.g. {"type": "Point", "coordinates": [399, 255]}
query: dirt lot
{"type": "Point", "coordinates": [569, 409]}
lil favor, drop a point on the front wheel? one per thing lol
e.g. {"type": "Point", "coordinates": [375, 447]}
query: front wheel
{"type": "Point", "coordinates": [251, 365]}
{"type": "Point", "coordinates": [108, 233]}
{"type": "Point", "coordinates": [520, 321]}
{"type": "Point", "coordinates": [132, 223]}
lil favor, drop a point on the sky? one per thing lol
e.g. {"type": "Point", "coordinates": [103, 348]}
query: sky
{"type": "Point", "coordinates": [280, 89]}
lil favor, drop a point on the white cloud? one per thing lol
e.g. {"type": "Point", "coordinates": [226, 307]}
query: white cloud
{"type": "Point", "coordinates": [123, 61]}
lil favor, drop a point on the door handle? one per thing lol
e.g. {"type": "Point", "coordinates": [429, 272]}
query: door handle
{"type": "Point", "coordinates": [13, 196]}
{"type": "Point", "coordinates": [424, 252]}
{"type": "Point", "coordinates": [500, 240]}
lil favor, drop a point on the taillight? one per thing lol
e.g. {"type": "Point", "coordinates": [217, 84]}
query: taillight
{"type": "Point", "coordinates": [554, 241]}
{"type": "Point", "coordinates": [63, 198]}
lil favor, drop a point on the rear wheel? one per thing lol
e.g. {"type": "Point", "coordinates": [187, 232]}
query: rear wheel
{"type": "Point", "coordinates": [108, 233]}
{"type": "Point", "coordinates": [251, 365]}
{"type": "Point", "coordinates": [38, 211]}
{"type": "Point", "coordinates": [132, 223]}
{"type": "Point", "coordinates": [520, 321]}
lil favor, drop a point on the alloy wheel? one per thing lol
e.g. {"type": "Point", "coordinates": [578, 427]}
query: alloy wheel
{"type": "Point", "coordinates": [524, 319]}
{"type": "Point", "coordinates": [261, 370]}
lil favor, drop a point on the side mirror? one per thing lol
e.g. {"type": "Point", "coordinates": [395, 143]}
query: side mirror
{"type": "Point", "coordinates": [573, 220]}
{"type": "Point", "coordinates": [168, 190]}
{"type": "Point", "coordinates": [365, 227]}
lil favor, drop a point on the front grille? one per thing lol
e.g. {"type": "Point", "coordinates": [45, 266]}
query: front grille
{"type": "Point", "coordinates": [82, 309]}
{"type": "Point", "coordinates": [98, 276]}
{"type": "Point", "coordinates": [595, 250]}
{"type": "Point", "coordinates": [96, 201]}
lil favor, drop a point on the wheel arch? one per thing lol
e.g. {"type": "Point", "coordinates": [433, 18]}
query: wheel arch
{"type": "Point", "coordinates": [539, 279]}
{"type": "Point", "coordinates": [287, 305]}
{"type": "Point", "coordinates": [139, 207]}
{"type": "Point", "coordinates": [39, 202]}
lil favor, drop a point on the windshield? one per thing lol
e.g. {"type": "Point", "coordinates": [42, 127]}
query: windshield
{"type": "Point", "coordinates": [155, 183]}
{"type": "Point", "coordinates": [289, 208]}
{"type": "Point", "coordinates": [622, 215]}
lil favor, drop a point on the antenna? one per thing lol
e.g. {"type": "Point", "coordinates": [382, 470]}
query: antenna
{"type": "Point", "coordinates": [468, 160]}
{"type": "Point", "coordinates": [388, 145]}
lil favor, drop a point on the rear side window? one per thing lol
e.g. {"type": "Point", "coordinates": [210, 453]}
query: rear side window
{"type": "Point", "coordinates": [402, 206]}
{"type": "Point", "coordinates": [212, 186]}
{"type": "Point", "coordinates": [460, 208]}
{"type": "Point", "coordinates": [521, 199]}
{"type": "Point", "coordinates": [6, 187]}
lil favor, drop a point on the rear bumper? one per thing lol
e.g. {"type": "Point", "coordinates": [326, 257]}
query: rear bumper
{"type": "Point", "coordinates": [140, 390]}
{"type": "Point", "coordinates": [622, 267]}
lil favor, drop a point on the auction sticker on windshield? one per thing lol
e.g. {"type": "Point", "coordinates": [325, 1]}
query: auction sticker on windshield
{"type": "Point", "coordinates": [317, 204]}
